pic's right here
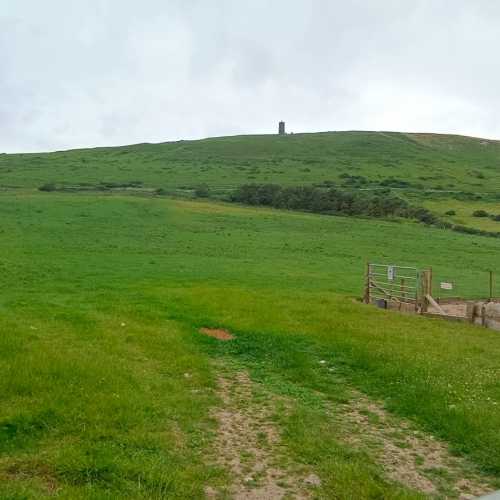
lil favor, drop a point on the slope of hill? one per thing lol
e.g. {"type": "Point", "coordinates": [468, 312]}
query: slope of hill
{"type": "Point", "coordinates": [107, 388]}
{"type": "Point", "coordinates": [110, 390]}
{"type": "Point", "coordinates": [412, 161]}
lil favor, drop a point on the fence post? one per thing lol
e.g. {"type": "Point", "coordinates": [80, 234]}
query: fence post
{"type": "Point", "coordinates": [491, 287]}
{"type": "Point", "coordinates": [426, 286]}
{"type": "Point", "coordinates": [418, 290]}
{"type": "Point", "coordinates": [366, 297]}
{"type": "Point", "coordinates": [470, 311]}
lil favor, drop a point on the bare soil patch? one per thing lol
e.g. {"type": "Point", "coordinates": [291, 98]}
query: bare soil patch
{"type": "Point", "coordinates": [247, 446]}
{"type": "Point", "coordinates": [39, 472]}
{"type": "Point", "coordinates": [217, 333]}
{"type": "Point", "coordinates": [408, 455]}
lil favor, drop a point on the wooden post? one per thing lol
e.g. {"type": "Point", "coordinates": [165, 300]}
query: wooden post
{"type": "Point", "coordinates": [426, 285]}
{"type": "Point", "coordinates": [469, 311]}
{"type": "Point", "coordinates": [434, 304]}
{"type": "Point", "coordinates": [491, 287]}
{"type": "Point", "coordinates": [366, 297]}
{"type": "Point", "coordinates": [403, 293]}
{"type": "Point", "coordinates": [418, 292]}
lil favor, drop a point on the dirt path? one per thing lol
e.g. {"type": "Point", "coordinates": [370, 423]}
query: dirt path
{"type": "Point", "coordinates": [248, 442]}
{"type": "Point", "coordinates": [247, 447]}
{"type": "Point", "coordinates": [408, 456]}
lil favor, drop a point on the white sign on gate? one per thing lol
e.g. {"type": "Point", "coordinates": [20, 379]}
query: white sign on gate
{"type": "Point", "coordinates": [391, 273]}
{"type": "Point", "coordinates": [446, 286]}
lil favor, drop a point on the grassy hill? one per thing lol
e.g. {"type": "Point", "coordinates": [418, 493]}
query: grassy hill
{"type": "Point", "coordinates": [107, 388]}
{"type": "Point", "coordinates": [424, 161]}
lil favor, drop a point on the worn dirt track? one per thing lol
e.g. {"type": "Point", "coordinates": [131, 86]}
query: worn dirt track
{"type": "Point", "coordinates": [247, 447]}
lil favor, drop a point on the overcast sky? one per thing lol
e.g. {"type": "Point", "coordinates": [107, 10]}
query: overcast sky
{"type": "Point", "coordinates": [106, 72]}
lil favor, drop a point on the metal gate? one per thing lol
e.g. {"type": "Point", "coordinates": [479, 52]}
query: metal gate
{"type": "Point", "coordinates": [396, 286]}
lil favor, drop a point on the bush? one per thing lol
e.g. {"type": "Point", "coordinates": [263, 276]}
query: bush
{"type": "Point", "coordinates": [480, 213]}
{"type": "Point", "coordinates": [444, 225]}
{"type": "Point", "coordinates": [466, 229]}
{"type": "Point", "coordinates": [450, 212]}
{"type": "Point", "coordinates": [330, 201]}
{"type": "Point", "coordinates": [49, 187]}
{"type": "Point", "coordinates": [421, 214]}
{"type": "Point", "coordinates": [475, 231]}
{"type": "Point", "coordinates": [118, 185]}
{"type": "Point", "coordinates": [397, 183]}
{"type": "Point", "coordinates": [466, 196]}
{"type": "Point", "coordinates": [202, 191]}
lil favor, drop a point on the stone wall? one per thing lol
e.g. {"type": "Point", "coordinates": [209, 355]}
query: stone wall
{"type": "Point", "coordinates": [487, 314]}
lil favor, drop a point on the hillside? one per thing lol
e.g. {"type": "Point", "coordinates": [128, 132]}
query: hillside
{"type": "Point", "coordinates": [111, 386]}
{"type": "Point", "coordinates": [421, 161]}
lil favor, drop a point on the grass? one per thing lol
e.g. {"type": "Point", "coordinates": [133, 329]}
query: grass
{"type": "Point", "coordinates": [96, 405]}
{"type": "Point", "coordinates": [425, 161]}
{"type": "Point", "coordinates": [464, 210]}
{"type": "Point", "coordinates": [93, 241]}
{"type": "Point", "coordinates": [403, 360]}
{"type": "Point", "coordinates": [429, 169]}
{"type": "Point", "coordinates": [107, 388]}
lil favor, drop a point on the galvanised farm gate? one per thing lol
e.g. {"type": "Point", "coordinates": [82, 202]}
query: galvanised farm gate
{"type": "Point", "coordinates": [404, 288]}
{"type": "Point", "coordinates": [410, 289]}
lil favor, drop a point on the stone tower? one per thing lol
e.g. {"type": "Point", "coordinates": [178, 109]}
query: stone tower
{"type": "Point", "coordinates": [281, 128]}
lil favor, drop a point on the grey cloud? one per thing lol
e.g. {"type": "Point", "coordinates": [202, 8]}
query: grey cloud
{"type": "Point", "coordinates": [75, 73]}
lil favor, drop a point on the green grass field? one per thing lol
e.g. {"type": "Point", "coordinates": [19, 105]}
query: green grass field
{"type": "Point", "coordinates": [464, 212]}
{"type": "Point", "coordinates": [102, 298]}
{"type": "Point", "coordinates": [107, 389]}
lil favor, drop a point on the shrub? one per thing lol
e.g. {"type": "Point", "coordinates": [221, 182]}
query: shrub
{"type": "Point", "coordinates": [202, 191]}
{"type": "Point", "coordinates": [392, 182]}
{"type": "Point", "coordinates": [444, 225]}
{"type": "Point", "coordinates": [466, 196]}
{"type": "Point", "coordinates": [450, 212]}
{"type": "Point", "coordinates": [479, 232]}
{"type": "Point", "coordinates": [117, 185]}
{"type": "Point", "coordinates": [421, 214]}
{"type": "Point", "coordinates": [330, 201]}
{"type": "Point", "coordinates": [50, 186]}
{"type": "Point", "coordinates": [328, 183]}
{"type": "Point", "coordinates": [480, 213]}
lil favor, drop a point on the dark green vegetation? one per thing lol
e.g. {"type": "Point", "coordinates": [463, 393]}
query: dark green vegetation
{"type": "Point", "coordinates": [331, 201]}
{"type": "Point", "coordinates": [106, 386]}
